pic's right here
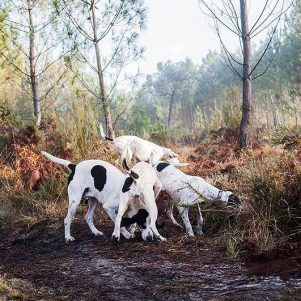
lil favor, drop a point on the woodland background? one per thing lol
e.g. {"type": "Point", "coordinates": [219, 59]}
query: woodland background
{"type": "Point", "coordinates": [64, 70]}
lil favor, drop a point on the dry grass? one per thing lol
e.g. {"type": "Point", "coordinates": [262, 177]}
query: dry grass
{"type": "Point", "coordinates": [266, 178]}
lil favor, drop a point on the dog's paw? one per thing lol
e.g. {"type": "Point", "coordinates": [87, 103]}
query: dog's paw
{"type": "Point", "coordinates": [126, 234]}
{"type": "Point", "coordinates": [190, 234]}
{"type": "Point", "coordinates": [161, 238]}
{"type": "Point", "coordinates": [115, 237]}
{"type": "Point", "coordinates": [69, 238]}
{"type": "Point", "coordinates": [98, 233]}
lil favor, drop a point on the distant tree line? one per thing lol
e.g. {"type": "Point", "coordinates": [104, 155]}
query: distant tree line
{"type": "Point", "coordinates": [205, 96]}
{"type": "Point", "coordinates": [54, 54]}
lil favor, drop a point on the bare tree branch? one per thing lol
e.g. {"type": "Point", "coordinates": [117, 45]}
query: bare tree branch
{"type": "Point", "coordinates": [121, 113]}
{"type": "Point", "coordinates": [219, 19]}
{"type": "Point", "coordinates": [269, 64]}
{"type": "Point", "coordinates": [260, 15]}
{"type": "Point", "coordinates": [77, 26]}
{"type": "Point", "coordinates": [231, 15]}
{"type": "Point", "coordinates": [225, 48]}
{"type": "Point", "coordinates": [53, 85]}
{"type": "Point", "coordinates": [267, 25]}
{"type": "Point", "coordinates": [111, 24]}
{"type": "Point", "coordinates": [14, 65]}
{"type": "Point", "coordinates": [81, 79]}
{"type": "Point", "coordinates": [266, 49]}
{"type": "Point", "coordinates": [265, 19]}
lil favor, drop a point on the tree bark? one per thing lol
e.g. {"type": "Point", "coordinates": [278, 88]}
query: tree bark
{"type": "Point", "coordinates": [274, 111]}
{"type": "Point", "coordinates": [33, 78]}
{"type": "Point", "coordinates": [171, 103]}
{"type": "Point", "coordinates": [103, 95]}
{"type": "Point", "coordinates": [247, 81]}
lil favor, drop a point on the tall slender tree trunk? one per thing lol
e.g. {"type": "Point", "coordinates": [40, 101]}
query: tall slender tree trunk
{"type": "Point", "coordinates": [103, 95]}
{"type": "Point", "coordinates": [33, 77]}
{"type": "Point", "coordinates": [171, 103]}
{"type": "Point", "coordinates": [274, 111]}
{"type": "Point", "coordinates": [247, 81]}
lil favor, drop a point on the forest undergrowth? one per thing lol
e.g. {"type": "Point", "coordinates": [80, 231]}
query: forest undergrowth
{"type": "Point", "coordinates": [266, 177]}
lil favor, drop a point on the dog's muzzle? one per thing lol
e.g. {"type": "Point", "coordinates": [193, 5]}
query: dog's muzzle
{"type": "Point", "coordinates": [233, 200]}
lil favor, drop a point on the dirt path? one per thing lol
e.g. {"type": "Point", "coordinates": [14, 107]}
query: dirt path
{"type": "Point", "coordinates": [44, 267]}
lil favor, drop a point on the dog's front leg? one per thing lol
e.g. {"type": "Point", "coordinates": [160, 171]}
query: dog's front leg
{"type": "Point", "coordinates": [112, 214]}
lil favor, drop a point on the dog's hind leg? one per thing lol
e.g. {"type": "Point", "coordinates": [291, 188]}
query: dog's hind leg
{"type": "Point", "coordinates": [74, 201]}
{"type": "Point", "coordinates": [89, 216]}
{"type": "Point", "coordinates": [153, 213]}
{"type": "Point", "coordinates": [157, 188]}
{"type": "Point", "coordinates": [169, 213]}
{"type": "Point", "coordinates": [199, 225]}
{"type": "Point", "coordinates": [185, 217]}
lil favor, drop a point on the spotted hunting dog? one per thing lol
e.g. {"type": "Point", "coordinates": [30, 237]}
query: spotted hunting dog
{"type": "Point", "coordinates": [100, 182]}
{"type": "Point", "coordinates": [150, 187]}
{"type": "Point", "coordinates": [185, 190]}
{"type": "Point", "coordinates": [133, 146]}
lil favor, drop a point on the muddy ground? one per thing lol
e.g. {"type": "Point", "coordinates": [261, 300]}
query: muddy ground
{"type": "Point", "coordinates": [38, 263]}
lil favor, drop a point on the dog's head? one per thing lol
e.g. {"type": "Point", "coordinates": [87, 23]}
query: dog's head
{"type": "Point", "coordinates": [230, 198]}
{"type": "Point", "coordinates": [170, 156]}
{"type": "Point", "coordinates": [141, 218]}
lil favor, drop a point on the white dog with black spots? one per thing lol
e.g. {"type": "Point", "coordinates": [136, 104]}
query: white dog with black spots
{"type": "Point", "coordinates": [150, 187]}
{"type": "Point", "coordinates": [185, 190]}
{"type": "Point", "coordinates": [101, 182]}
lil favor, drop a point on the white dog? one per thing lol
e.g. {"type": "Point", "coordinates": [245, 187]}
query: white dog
{"type": "Point", "coordinates": [185, 190]}
{"type": "Point", "coordinates": [150, 187]}
{"type": "Point", "coordinates": [133, 146]}
{"type": "Point", "coordinates": [99, 181]}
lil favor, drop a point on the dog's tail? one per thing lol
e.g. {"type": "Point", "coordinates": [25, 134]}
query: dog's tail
{"type": "Point", "coordinates": [57, 160]}
{"type": "Point", "coordinates": [179, 164]}
{"type": "Point", "coordinates": [102, 133]}
{"type": "Point", "coordinates": [126, 156]}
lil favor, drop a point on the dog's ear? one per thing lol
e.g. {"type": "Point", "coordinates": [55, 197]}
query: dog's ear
{"type": "Point", "coordinates": [134, 175]}
{"type": "Point", "coordinates": [125, 165]}
{"type": "Point", "coordinates": [127, 221]}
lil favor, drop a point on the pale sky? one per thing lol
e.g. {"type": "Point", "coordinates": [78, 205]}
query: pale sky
{"type": "Point", "coordinates": [177, 29]}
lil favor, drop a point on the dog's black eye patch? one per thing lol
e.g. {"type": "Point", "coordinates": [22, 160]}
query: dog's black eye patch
{"type": "Point", "coordinates": [139, 218]}
{"type": "Point", "coordinates": [127, 184]}
{"type": "Point", "coordinates": [161, 166]}
{"type": "Point", "coordinates": [99, 173]}
{"type": "Point", "coordinates": [72, 168]}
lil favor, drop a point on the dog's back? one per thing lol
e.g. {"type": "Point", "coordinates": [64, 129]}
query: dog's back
{"type": "Point", "coordinates": [147, 175]}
